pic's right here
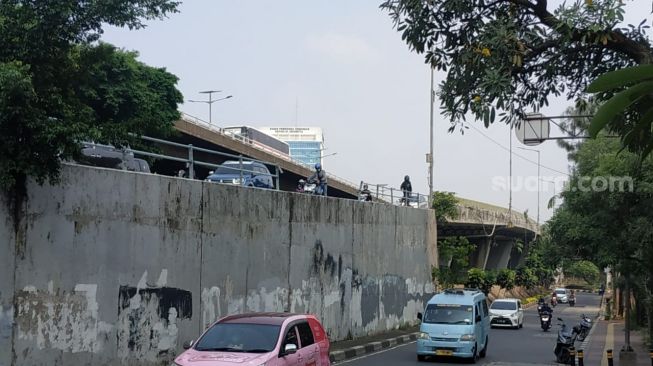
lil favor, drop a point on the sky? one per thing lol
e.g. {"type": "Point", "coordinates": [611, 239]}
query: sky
{"type": "Point", "coordinates": [340, 65]}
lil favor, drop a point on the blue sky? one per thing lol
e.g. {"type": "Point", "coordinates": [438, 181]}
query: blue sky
{"type": "Point", "coordinates": [347, 70]}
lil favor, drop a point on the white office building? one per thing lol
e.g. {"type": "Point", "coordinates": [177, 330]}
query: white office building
{"type": "Point", "coordinates": [306, 143]}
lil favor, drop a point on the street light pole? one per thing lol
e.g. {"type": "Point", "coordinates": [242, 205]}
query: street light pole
{"type": "Point", "coordinates": [431, 157]}
{"type": "Point", "coordinates": [539, 177]}
{"type": "Point", "coordinates": [211, 101]}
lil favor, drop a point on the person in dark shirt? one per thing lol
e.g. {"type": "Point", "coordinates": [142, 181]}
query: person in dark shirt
{"type": "Point", "coordinates": [407, 188]}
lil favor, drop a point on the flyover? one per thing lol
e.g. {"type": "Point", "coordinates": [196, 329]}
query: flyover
{"type": "Point", "coordinates": [496, 231]}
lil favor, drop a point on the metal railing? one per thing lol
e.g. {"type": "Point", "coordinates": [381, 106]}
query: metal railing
{"type": "Point", "coordinates": [394, 196]}
{"type": "Point", "coordinates": [191, 162]}
{"type": "Point", "coordinates": [199, 122]}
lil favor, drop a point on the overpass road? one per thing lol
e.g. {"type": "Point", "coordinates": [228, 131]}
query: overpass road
{"type": "Point", "coordinates": [529, 345]}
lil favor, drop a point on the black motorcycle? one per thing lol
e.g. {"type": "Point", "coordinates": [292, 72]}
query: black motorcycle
{"type": "Point", "coordinates": [566, 340]}
{"type": "Point", "coordinates": [545, 320]}
{"type": "Point", "coordinates": [584, 328]}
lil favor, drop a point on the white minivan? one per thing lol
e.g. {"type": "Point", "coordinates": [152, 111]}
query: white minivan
{"type": "Point", "coordinates": [507, 313]}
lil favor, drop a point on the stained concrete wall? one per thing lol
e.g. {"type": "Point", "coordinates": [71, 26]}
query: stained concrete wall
{"type": "Point", "coordinates": [111, 267]}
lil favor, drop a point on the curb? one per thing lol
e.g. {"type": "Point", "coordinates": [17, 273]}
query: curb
{"type": "Point", "coordinates": [357, 351]}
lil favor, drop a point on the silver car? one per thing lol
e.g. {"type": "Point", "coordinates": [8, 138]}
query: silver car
{"type": "Point", "coordinates": [561, 294]}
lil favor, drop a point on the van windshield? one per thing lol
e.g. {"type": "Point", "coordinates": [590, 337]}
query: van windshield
{"type": "Point", "coordinates": [448, 314]}
{"type": "Point", "coordinates": [504, 305]}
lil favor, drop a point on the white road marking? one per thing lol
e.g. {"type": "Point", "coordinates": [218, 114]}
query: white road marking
{"type": "Point", "coordinates": [373, 354]}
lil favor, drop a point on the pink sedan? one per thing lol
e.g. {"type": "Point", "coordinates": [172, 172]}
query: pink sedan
{"type": "Point", "coordinates": [260, 339]}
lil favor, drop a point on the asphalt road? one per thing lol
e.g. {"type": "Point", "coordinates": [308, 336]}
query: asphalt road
{"type": "Point", "coordinates": [528, 345]}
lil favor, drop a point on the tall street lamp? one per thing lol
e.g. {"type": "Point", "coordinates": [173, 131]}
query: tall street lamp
{"type": "Point", "coordinates": [538, 181]}
{"type": "Point", "coordinates": [210, 101]}
{"type": "Point", "coordinates": [430, 159]}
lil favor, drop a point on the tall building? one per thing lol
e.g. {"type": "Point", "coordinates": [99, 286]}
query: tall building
{"type": "Point", "coordinates": [306, 143]}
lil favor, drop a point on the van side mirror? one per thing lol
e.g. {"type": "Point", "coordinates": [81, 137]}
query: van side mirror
{"type": "Point", "coordinates": [420, 316]}
{"type": "Point", "coordinates": [188, 344]}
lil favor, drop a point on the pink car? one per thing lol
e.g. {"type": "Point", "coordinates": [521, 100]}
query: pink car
{"type": "Point", "coordinates": [260, 339]}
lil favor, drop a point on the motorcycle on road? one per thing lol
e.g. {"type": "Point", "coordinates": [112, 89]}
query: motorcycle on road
{"type": "Point", "coordinates": [565, 342]}
{"type": "Point", "coordinates": [545, 320]}
{"type": "Point", "coordinates": [584, 327]}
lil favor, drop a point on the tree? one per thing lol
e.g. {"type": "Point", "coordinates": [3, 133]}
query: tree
{"type": "Point", "coordinates": [59, 86]}
{"type": "Point", "coordinates": [445, 205]}
{"type": "Point", "coordinates": [585, 270]}
{"type": "Point", "coordinates": [525, 277]}
{"type": "Point", "coordinates": [480, 279]}
{"type": "Point", "coordinates": [455, 251]}
{"type": "Point", "coordinates": [506, 278]}
{"type": "Point", "coordinates": [504, 57]}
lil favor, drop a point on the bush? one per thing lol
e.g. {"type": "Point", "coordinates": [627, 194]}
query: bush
{"type": "Point", "coordinates": [525, 277]}
{"type": "Point", "coordinates": [480, 279]}
{"type": "Point", "coordinates": [506, 278]}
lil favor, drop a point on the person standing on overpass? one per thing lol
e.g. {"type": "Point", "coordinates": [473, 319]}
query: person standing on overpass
{"type": "Point", "coordinates": [407, 188]}
{"type": "Point", "coordinates": [320, 178]}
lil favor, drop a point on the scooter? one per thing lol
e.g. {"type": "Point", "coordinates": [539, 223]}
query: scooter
{"type": "Point", "coordinates": [566, 340]}
{"type": "Point", "coordinates": [545, 320]}
{"type": "Point", "coordinates": [585, 326]}
{"type": "Point", "coordinates": [306, 187]}
{"type": "Point", "coordinates": [572, 300]}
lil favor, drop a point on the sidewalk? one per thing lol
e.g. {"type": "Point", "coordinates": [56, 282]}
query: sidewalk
{"type": "Point", "coordinates": [610, 335]}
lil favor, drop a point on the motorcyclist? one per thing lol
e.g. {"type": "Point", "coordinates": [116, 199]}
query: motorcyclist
{"type": "Point", "coordinates": [407, 188]}
{"type": "Point", "coordinates": [320, 178]}
{"type": "Point", "coordinates": [301, 186]}
{"type": "Point", "coordinates": [545, 307]}
{"type": "Point", "coordinates": [366, 194]}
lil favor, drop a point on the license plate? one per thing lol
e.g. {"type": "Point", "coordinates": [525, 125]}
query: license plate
{"type": "Point", "coordinates": [443, 352]}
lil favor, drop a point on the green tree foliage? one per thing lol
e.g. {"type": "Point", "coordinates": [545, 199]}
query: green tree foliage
{"type": "Point", "coordinates": [525, 277]}
{"type": "Point", "coordinates": [480, 279]}
{"type": "Point", "coordinates": [59, 86]}
{"type": "Point", "coordinates": [445, 205]}
{"type": "Point", "coordinates": [455, 251]}
{"type": "Point", "coordinates": [583, 269]}
{"type": "Point", "coordinates": [505, 57]}
{"type": "Point", "coordinates": [506, 278]}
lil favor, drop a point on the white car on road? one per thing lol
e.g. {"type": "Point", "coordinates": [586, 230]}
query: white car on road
{"type": "Point", "coordinates": [561, 294]}
{"type": "Point", "coordinates": [507, 313]}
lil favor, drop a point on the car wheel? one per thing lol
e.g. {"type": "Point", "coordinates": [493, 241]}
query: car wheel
{"type": "Point", "coordinates": [521, 325]}
{"type": "Point", "coordinates": [421, 358]}
{"type": "Point", "coordinates": [484, 351]}
{"type": "Point", "coordinates": [474, 358]}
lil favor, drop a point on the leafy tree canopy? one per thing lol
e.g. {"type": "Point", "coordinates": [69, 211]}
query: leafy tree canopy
{"type": "Point", "coordinates": [445, 205]}
{"type": "Point", "coordinates": [504, 58]}
{"type": "Point", "coordinates": [59, 86]}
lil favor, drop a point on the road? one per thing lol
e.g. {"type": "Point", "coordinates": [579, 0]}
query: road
{"type": "Point", "coordinates": [506, 346]}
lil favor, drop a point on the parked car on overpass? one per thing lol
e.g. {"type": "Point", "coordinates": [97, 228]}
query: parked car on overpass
{"type": "Point", "coordinates": [249, 174]}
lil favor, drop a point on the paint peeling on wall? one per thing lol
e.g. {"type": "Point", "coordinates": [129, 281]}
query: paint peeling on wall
{"type": "Point", "coordinates": [67, 321]}
{"type": "Point", "coordinates": [147, 320]}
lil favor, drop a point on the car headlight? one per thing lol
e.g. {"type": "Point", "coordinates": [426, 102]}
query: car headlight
{"type": "Point", "coordinates": [236, 181]}
{"type": "Point", "coordinates": [513, 315]}
{"type": "Point", "coordinates": [423, 335]}
{"type": "Point", "coordinates": [468, 338]}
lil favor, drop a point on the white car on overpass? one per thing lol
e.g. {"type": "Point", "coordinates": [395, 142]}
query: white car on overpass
{"type": "Point", "coordinates": [507, 313]}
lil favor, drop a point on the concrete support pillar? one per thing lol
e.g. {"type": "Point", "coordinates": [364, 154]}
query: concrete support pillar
{"type": "Point", "coordinates": [499, 254]}
{"type": "Point", "coordinates": [480, 255]}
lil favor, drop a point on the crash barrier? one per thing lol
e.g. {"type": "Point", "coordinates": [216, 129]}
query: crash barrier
{"type": "Point", "coordinates": [191, 162]}
{"type": "Point", "coordinates": [610, 359]}
{"type": "Point", "coordinates": [215, 129]}
{"type": "Point", "coordinates": [395, 196]}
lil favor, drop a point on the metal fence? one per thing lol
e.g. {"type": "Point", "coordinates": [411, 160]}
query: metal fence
{"type": "Point", "coordinates": [395, 196]}
{"type": "Point", "coordinates": [190, 162]}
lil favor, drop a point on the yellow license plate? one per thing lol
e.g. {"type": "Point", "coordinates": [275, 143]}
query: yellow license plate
{"type": "Point", "coordinates": [443, 352]}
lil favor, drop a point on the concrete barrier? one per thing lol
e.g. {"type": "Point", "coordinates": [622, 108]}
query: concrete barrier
{"type": "Point", "coordinates": [111, 267]}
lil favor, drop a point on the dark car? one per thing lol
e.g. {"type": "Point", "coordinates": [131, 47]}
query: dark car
{"type": "Point", "coordinates": [107, 156]}
{"type": "Point", "coordinates": [254, 174]}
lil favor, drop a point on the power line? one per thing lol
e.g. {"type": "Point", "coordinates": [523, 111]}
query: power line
{"type": "Point", "coordinates": [515, 154]}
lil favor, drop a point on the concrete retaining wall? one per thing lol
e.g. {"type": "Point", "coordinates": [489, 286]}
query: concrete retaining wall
{"type": "Point", "coordinates": [111, 267]}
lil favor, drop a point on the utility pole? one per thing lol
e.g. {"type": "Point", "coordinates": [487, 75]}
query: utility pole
{"type": "Point", "coordinates": [431, 157]}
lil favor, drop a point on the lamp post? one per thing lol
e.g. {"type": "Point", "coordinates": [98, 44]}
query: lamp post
{"type": "Point", "coordinates": [431, 157]}
{"type": "Point", "coordinates": [538, 181]}
{"type": "Point", "coordinates": [210, 101]}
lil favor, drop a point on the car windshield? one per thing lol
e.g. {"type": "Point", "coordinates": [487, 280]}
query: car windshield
{"type": "Point", "coordinates": [561, 292]}
{"type": "Point", "coordinates": [236, 337]}
{"type": "Point", "coordinates": [504, 305]}
{"type": "Point", "coordinates": [448, 314]}
{"type": "Point", "coordinates": [232, 169]}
